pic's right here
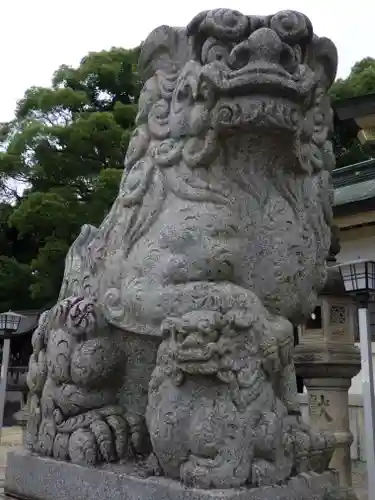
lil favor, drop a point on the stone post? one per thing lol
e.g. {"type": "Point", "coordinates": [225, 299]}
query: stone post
{"type": "Point", "coordinates": [21, 418]}
{"type": "Point", "coordinates": [327, 359]}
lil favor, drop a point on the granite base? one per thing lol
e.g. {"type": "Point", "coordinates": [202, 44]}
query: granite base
{"type": "Point", "coordinates": [36, 478]}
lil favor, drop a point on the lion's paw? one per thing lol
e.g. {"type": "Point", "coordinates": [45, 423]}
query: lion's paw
{"type": "Point", "coordinates": [93, 437]}
{"type": "Point", "coordinates": [152, 466]}
{"type": "Point", "coordinates": [214, 473]}
{"type": "Point", "coordinates": [264, 473]}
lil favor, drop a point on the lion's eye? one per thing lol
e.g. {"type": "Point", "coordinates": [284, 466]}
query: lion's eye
{"type": "Point", "coordinates": [217, 53]}
{"type": "Point", "coordinates": [184, 93]}
{"type": "Point", "coordinates": [291, 57]}
{"type": "Point", "coordinates": [204, 91]}
{"type": "Point", "coordinates": [212, 51]}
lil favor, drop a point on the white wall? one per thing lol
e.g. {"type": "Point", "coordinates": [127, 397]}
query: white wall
{"type": "Point", "coordinates": [356, 387]}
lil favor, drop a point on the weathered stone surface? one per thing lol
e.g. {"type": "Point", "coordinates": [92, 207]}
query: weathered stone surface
{"type": "Point", "coordinates": [216, 243]}
{"type": "Point", "coordinates": [40, 478]}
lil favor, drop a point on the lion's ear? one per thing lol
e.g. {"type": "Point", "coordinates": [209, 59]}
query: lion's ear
{"type": "Point", "coordinates": [324, 55]}
{"type": "Point", "coordinates": [166, 49]}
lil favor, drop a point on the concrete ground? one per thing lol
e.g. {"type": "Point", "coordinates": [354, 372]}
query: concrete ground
{"type": "Point", "coordinates": [12, 437]}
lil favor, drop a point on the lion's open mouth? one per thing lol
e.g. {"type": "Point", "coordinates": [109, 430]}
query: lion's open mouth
{"type": "Point", "coordinates": [197, 355]}
{"type": "Point", "coordinates": [261, 68]}
{"type": "Point", "coordinates": [260, 78]}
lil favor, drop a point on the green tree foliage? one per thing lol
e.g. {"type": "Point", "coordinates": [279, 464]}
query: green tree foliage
{"type": "Point", "coordinates": [66, 146]}
{"type": "Point", "coordinates": [15, 280]}
{"type": "Point", "coordinates": [361, 81]}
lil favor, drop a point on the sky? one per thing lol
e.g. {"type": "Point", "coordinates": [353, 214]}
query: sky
{"type": "Point", "coordinates": [37, 36]}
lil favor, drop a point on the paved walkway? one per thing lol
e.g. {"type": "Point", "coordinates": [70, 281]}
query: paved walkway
{"type": "Point", "coordinates": [12, 437]}
{"type": "Point", "coordinates": [360, 480]}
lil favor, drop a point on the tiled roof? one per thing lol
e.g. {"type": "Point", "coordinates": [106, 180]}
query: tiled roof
{"type": "Point", "coordinates": [28, 323]}
{"type": "Point", "coordinates": [354, 183]}
{"type": "Point", "coordinates": [354, 192]}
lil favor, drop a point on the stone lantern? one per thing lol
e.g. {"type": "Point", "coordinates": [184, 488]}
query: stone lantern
{"type": "Point", "coordinates": [327, 360]}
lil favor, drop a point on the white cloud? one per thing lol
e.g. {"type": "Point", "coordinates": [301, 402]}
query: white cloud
{"type": "Point", "coordinates": [37, 36]}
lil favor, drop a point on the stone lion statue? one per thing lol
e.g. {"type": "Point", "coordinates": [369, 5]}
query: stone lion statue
{"type": "Point", "coordinates": [172, 338]}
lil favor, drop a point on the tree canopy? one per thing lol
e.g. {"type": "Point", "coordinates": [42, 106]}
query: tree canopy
{"type": "Point", "coordinates": [66, 147]}
{"type": "Point", "coordinates": [361, 81]}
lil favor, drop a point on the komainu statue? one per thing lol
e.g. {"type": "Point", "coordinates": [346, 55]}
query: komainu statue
{"type": "Point", "coordinates": [172, 340]}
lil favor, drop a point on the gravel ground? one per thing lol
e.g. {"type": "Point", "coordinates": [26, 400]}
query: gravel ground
{"type": "Point", "coordinates": [12, 437]}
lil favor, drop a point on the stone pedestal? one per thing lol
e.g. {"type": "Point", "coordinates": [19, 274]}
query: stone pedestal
{"type": "Point", "coordinates": [37, 478]}
{"type": "Point", "coordinates": [328, 410]}
{"type": "Point", "coordinates": [327, 382]}
{"type": "Point", "coordinates": [327, 359]}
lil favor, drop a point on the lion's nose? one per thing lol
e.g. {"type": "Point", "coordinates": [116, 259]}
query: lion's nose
{"type": "Point", "coordinates": [263, 45]}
